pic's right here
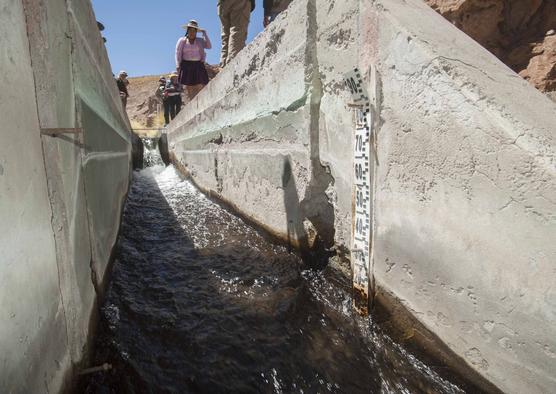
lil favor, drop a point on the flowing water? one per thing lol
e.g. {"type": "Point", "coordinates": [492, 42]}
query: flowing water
{"type": "Point", "coordinates": [151, 156]}
{"type": "Point", "coordinates": [201, 302]}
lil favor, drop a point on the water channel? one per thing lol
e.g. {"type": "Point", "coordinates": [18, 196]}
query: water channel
{"type": "Point", "coordinates": [202, 302]}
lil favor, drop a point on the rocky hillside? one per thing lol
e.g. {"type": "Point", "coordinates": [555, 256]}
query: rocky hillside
{"type": "Point", "coordinates": [142, 108]}
{"type": "Point", "coordinates": [521, 33]}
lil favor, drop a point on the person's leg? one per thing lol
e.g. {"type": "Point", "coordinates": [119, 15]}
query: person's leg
{"type": "Point", "coordinates": [193, 90]}
{"type": "Point", "coordinates": [239, 25]}
{"type": "Point", "coordinates": [172, 107]}
{"type": "Point", "coordinates": [178, 104]}
{"type": "Point", "coordinates": [198, 88]}
{"type": "Point", "coordinates": [176, 108]}
{"type": "Point", "coordinates": [167, 110]}
{"type": "Point", "coordinates": [189, 92]}
{"type": "Point", "coordinates": [224, 14]}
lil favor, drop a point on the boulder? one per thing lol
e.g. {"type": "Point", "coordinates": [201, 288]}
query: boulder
{"type": "Point", "coordinates": [520, 33]}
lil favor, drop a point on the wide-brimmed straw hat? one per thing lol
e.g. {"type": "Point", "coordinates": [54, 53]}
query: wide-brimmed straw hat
{"type": "Point", "coordinates": [193, 24]}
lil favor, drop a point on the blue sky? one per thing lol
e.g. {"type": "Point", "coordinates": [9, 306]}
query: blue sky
{"type": "Point", "coordinates": [142, 34]}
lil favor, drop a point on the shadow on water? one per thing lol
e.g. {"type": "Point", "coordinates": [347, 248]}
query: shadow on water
{"type": "Point", "coordinates": [200, 302]}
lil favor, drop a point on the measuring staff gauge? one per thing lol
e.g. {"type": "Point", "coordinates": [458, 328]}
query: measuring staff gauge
{"type": "Point", "coordinates": [361, 202]}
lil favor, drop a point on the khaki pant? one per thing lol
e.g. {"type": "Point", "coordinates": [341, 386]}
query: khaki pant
{"type": "Point", "coordinates": [234, 17]}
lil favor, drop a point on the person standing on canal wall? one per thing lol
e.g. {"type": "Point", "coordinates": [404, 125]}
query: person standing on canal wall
{"type": "Point", "coordinates": [234, 19]}
{"type": "Point", "coordinates": [159, 93]}
{"type": "Point", "coordinates": [172, 98]}
{"type": "Point", "coordinates": [122, 83]}
{"type": "Point", "coordinates": [191, 57]}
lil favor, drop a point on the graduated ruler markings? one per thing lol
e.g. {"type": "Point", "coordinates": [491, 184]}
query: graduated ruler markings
{"type": "Point", "coordinates": [361, 215]}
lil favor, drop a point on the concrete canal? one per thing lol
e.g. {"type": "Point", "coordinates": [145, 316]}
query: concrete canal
{"type": "Point", "coordinates": [200, 301]}
{"type": "Point", "coordinates": [178, 294]}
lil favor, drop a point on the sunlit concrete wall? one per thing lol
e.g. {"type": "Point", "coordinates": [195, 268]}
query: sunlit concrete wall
{"type": "Point", "coordinates": [464, 199]}
{"type": "Point", "coordinates": [465, 195]}
{"type": "Point", "coordinates": [60, 197]}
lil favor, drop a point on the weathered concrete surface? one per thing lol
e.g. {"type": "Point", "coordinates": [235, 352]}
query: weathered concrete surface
{"type": "Point", "coordinates": [465, 197]}
{"type": "Point", "coordinates": [464, 169]}
{"type": "Point", "coordinates": [29, 294]}
{"type": "Point", "coordinates": [61, 196]}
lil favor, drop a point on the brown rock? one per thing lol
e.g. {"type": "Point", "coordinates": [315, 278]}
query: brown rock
{"type": "Point", "coordinates": [519, 32]}
{"type": "Point", "coordinates": [541, 70]}
{"type": "Point", "coordinates": [478, 18]}
{"type": "Point", "coordinates": [212, 70]}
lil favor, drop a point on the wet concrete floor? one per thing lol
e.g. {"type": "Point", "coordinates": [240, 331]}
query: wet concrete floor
{"type": "Point", "coordinates": [201, 302]}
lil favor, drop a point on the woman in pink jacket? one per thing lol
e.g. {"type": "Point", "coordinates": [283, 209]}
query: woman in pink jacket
{"type": "Point", "coordinates": [190, 59]}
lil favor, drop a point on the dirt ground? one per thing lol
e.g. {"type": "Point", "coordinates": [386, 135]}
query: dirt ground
{"type": "Point", "coordinates": [143, 109]}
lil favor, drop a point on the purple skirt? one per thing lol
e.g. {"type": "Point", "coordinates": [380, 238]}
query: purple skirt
{"type": "Point", "coordinates": [193, 73]}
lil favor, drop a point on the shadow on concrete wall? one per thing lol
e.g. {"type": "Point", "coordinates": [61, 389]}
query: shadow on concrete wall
{"type": "Point", "coordinates": [297, 235]}
{"type": "Point", "coordinates": [310, 230]}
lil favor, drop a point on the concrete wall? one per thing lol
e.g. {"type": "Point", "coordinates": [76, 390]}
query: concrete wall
{"type": "Point", "coordinates": [465, 198]}
{"type": "Point", "coordinates": [61, 196]}
{"type": "Point", "coordinates": [464, 170]}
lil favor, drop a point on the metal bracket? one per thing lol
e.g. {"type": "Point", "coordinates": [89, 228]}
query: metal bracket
{"type": "Point", "coordinates": [151, 128]}
{"type": "Point", "coordinates": [58, 131]}
{"type": "Point", "coordinates": [102, 368]}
